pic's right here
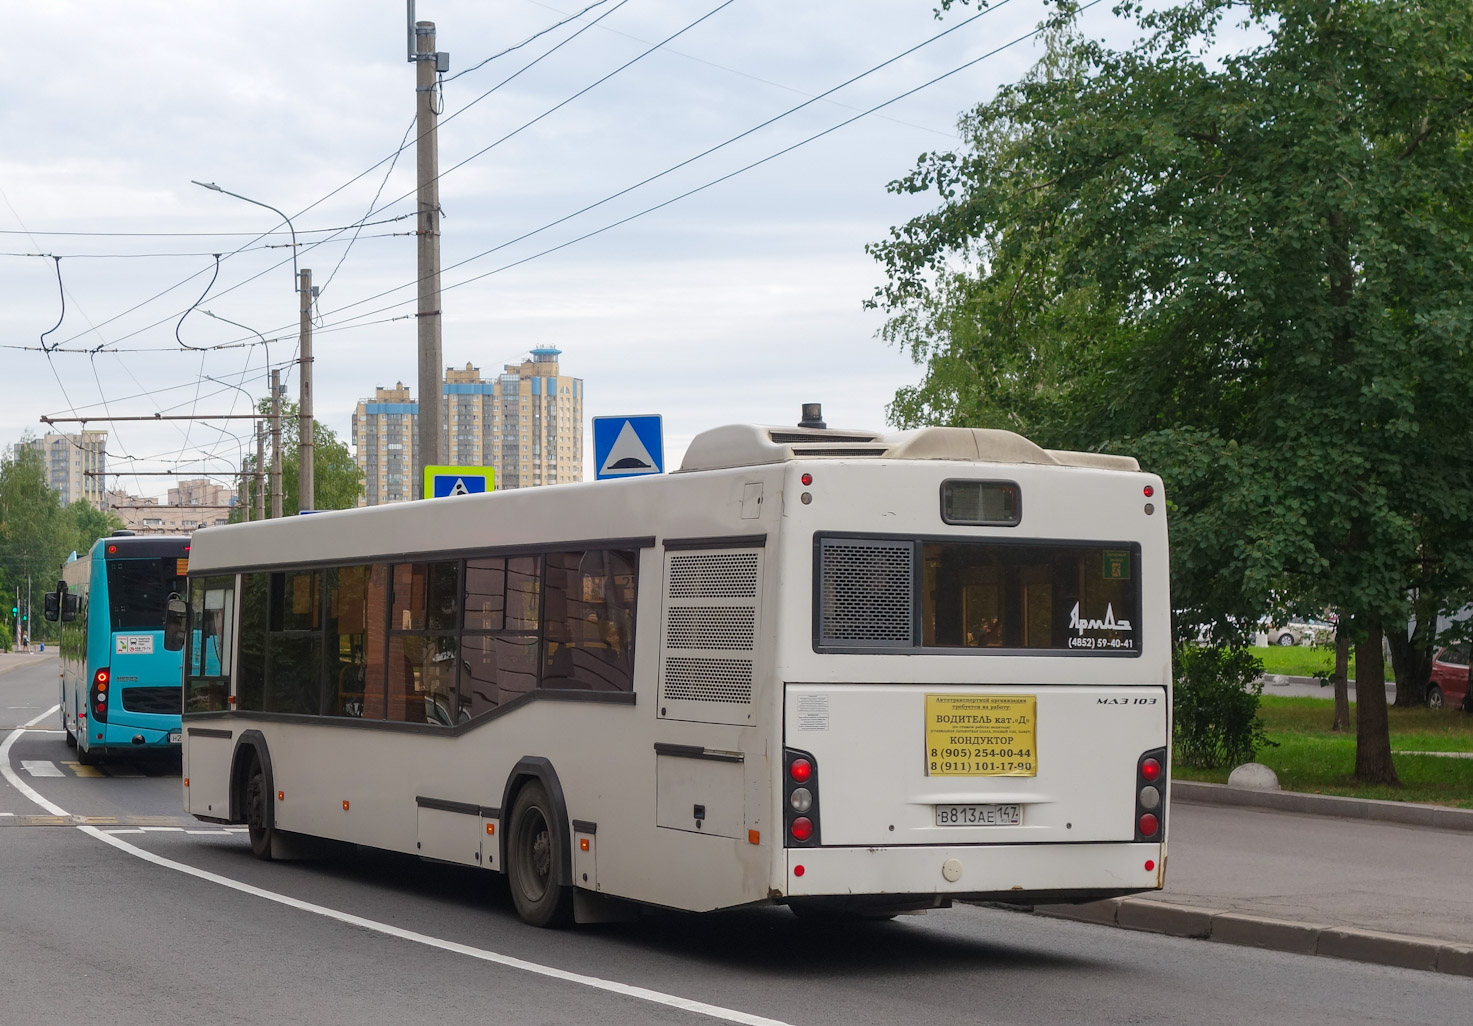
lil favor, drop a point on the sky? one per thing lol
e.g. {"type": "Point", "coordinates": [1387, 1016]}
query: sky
{"type": "Point", "coordinates": [735, 304]}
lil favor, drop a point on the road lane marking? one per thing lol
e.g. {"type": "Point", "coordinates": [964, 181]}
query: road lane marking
{"type": "Point", "coordinates": [481, 954]}
{"type": "Point", "coordinates": [41, 767]}
{"type": "Point", "coordinates": [83, 771]}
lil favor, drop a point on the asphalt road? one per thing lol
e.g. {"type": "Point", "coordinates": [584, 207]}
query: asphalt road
{"type": "Point", "coordinates": [152, 925]}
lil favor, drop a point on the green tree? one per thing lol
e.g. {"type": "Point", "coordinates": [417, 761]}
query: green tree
{"type": "Point", "coordinates": [1254, 271]}
{"type": "Point", "coordinates": [35, 531]}
{"type": "Point", "coordinates": [337, 480]}
{"type": "Point", "coordinates": [89, 524]}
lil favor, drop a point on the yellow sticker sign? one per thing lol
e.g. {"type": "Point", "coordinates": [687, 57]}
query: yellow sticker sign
{"type": "Point", "coordinates": [981, 736]}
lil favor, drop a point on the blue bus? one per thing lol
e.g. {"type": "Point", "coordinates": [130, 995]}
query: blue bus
{"type": "Point", "coordinates": [120, 685]}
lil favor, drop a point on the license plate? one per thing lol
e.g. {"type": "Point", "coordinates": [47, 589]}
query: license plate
{"type": "Point", "coordinates": [175, 737]}
{"type": "Point", "coordinates": [979, 815]}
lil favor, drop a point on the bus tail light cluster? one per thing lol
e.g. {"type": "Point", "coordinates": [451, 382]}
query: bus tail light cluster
{"type": "Point", "coordinates": [800, 799]}
{"type": "Point", "coordinates": [98, 695]}
{"type": "Point", "coordinates": [1150, 792]}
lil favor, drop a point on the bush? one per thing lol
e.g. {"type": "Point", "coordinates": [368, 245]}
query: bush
{"type": "Point", "coordinates": [5, 639]}
{"type": "Point", "coordinates": [1216, 706]}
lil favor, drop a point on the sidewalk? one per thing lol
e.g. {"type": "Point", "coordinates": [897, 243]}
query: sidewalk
{"type": "Point", "coordinates": [1362, 889]}
{"type": "Point", "coordinates": [14, 660]}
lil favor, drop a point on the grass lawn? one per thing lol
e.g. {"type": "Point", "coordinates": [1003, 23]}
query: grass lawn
{"type": "Point", "coordinates": [1299, 660]}
{"type": "Point", "coordinates": [1311, 758]}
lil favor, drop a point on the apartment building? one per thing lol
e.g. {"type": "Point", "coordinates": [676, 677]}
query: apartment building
{"type": "Point", "coordinates": [74, 465]}
{"type": "Point", "coordinates": [526, 422]}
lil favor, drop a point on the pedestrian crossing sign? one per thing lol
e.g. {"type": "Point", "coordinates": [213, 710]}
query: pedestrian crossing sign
{"type": "Point", "coordinates": [442, 482]}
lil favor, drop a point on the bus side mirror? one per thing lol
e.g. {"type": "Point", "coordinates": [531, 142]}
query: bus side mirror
{"type": "Point", "coordinates": [69, 604]}
{"type": "Point", "coordinates": [53, 606]}
{"type": "Point", "coordinates": [174, 624]}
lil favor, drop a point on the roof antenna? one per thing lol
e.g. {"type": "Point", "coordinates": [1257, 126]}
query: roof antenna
{"type": "Point", "coordinates": [812, 416]}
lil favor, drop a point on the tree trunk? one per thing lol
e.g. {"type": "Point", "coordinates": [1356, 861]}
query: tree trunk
{"type": "Point", "coordinates": [1411, 657]}
{"type": "Point", "coordinates": [1342, 671]}
{"type": "Point", "coordinates": [1372, 727]}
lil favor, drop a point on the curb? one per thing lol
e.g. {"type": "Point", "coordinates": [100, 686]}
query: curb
{"type": "Point", "coordinates": [1437, 817]}
{"type": "Point", "coordinates": [1251, 931]}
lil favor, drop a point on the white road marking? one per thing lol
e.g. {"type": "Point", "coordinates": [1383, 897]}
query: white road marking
{"type": "Point", "coordinates": [41, 767]}
{"type": "Point", "coordinates": [609, 986]}
{"type": "Point", "coordinates": [215, 833]}
{"type": "Point", "coordinates": [161, 830]}
{"type": "Point", "coordinates": [42, 730]}
{"type": "Point", "coordinates": [133, 830]}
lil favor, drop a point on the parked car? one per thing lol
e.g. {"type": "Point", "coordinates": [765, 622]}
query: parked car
{"type": "Point", "coordinates": [1449, 685]}
{"type": "Point", "coordinates": [1301, 632]}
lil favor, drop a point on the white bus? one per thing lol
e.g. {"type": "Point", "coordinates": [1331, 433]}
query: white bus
{"type": "Point", "coordinates": [850, 672]}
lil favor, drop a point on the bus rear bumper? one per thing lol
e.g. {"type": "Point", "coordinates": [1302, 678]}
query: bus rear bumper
{"type": "Point", "coordinates": [1019, 873]}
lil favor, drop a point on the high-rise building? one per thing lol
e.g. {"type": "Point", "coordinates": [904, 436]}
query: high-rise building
{"type": "Point", "coordinates": [383, 437]}
{"type": "Point", "coordinates": [75, 465]}
{"type": "Point", "coordinates": [527, 422]}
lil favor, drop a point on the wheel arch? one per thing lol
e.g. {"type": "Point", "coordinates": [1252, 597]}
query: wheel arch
{"type": "Point", "coordinates": [250, 745]}
{"type": "Point", "coordinates": [540, 769]}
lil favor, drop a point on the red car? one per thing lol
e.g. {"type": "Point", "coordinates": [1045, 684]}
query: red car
{"type": "Point", "coordinates": [1449, 685]}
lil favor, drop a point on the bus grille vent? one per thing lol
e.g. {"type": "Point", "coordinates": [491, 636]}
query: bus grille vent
{"type": "Point", "coordinates": [166, 700]}
{"type": "Point", "coordinates": [708, 680]}
{"type": "Point", "coordinates": [709, 635]}
{"type": "Point", "coordinates": [714, 575]}
{"type": "Point", "coordinates": [866, 593]}
{"type": "Point", "coordinates": [711, 627]}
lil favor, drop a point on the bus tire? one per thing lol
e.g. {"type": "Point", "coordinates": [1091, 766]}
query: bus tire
{"type": "Point", "coordinates": [532, 860]}
{"type": "Point", "coordinates": [86, 758]}
{"type": "Point", "coordinates": [71, 738]}
{"type": "Point", "coordinates": [257, 809]}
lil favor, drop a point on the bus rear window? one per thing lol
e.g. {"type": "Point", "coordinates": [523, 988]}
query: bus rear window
{"type": "Point", "coordinates": [1072, 597]}
{"type": "Point", "coordinates": [137, 590]}
{"type": "Point", "coordinates": [900, 594]}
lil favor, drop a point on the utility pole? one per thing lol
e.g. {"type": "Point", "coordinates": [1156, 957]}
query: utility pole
{"type": "Point", "coordinates": [260, 475]}
{"type": "Point", "coordinates": [306, 490]}
{"type": "Point", "coordinates": [430, 449]}
{"type": "Point", "coordinates": [276, 444]}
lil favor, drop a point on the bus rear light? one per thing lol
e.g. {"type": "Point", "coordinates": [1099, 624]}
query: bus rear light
{"type": "Point", "coordinates": [1148, 491]}
{"type": "Point", "coordinates": [98, 697]}
{"type": "Point", "coordinates": [1150, 797]}
{"type": "Point", "coordinates": [798, 870]}
{"type": "Point", "coordinates": [807, 480]}
{"type": "Point", "coordinates": [800, 795]}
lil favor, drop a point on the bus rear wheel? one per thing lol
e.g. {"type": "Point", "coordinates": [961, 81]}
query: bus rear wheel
{"type": "Point", "coordinates": [256, 807]}
{"type": "Point", "coordinates": [533, 853]}
{"type": "Point", "coordinates": [86, 758]}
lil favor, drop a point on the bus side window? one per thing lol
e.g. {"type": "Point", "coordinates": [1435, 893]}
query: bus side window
{"type": "Point", "coordinates": [589, 620]}
{"type": "Point", "coordinates": [210, 637]}
{"type": "Point", "coordinates": [294, 643]}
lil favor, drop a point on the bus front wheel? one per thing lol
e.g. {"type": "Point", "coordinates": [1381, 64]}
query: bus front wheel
{"type": "Point", "coordinates": [257, 799]}
{"type": "Point", "coordinates": [533, 853]}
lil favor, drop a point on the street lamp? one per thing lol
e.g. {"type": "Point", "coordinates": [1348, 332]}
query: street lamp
{"type": "Point", "coordinates": [290, 227]}
{"type": "Point", "coordinates": [302, 285]}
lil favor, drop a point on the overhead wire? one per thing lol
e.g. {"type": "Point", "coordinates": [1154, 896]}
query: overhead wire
{"type": "Point", "coordinates": [534, 36]}
{"type": "Point", "coordinates": [709, 184]}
